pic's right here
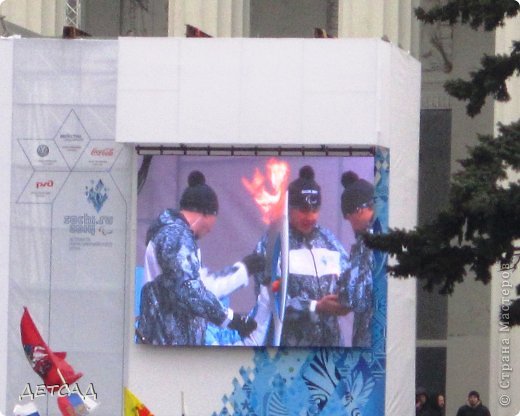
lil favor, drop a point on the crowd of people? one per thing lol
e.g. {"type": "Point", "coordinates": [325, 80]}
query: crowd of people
{"type": "Point", "coordinates": [182, 303]}
{"type": "Point", "coordinates": [435, 405]}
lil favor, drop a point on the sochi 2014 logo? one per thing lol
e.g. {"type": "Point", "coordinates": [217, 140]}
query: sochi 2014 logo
{"type": "Point", "coordinates": [96, 194]}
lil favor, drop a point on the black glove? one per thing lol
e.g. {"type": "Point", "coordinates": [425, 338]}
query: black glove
{"type": "Point", "coordinates": [243, 324]}
{"type": "Point", "coordinates": [255, 263]}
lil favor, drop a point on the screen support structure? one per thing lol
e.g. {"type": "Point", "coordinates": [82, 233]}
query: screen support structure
{"type": "Point", "coordinates": [321, 150]}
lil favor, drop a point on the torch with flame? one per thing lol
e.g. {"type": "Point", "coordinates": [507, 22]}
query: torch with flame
{"type": "Point", "coordinates": [270, 194]}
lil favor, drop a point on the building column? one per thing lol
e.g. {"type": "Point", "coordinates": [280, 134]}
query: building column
{"type": "Point", "coordinates": [504, 363]}
{"type": "Point", "coordinates": [45, 17]}
{"type": "Point", "coordinates": [48, 15]}
{"type": "Point", "coordinates": [226, 18]}
{"type": "Point", "coordinates": [393, 20]}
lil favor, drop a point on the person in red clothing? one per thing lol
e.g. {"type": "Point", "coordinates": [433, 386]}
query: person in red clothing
{"type": "Point", "coordinates": [474, 406]}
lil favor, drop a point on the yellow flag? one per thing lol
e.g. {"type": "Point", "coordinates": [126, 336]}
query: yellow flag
{"type": "Point", "coordinates": [133, 406]}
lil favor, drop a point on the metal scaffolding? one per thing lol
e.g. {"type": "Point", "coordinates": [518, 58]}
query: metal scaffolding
{"type": "Point", "coordinates": [73, 13]}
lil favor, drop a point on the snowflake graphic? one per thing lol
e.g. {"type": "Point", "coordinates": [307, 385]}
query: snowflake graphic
{"type": "Point", "coordinates": [96, 194]}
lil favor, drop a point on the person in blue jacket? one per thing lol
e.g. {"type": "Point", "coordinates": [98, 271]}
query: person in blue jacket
{"type": "Point", "coordinates": [357, 206]}
{"type": "Point", "coordinates": [176, 306]}
{"type": "Point", "coordinates": [317, 261]}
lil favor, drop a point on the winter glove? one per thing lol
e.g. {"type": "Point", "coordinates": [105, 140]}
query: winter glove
{"type": "Point", "coordinates": [243, 324]}
{"type": "Point", "coordinates": [255, 263]}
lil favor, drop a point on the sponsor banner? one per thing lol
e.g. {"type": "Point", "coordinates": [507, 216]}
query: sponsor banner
{"type": "Point", "coordinates": [42, 187]}
{"type": "Point", "coordinates": [70, 189]}
{"type": "Point", "coordinates": [43, 154]}
{"type": "Point", "coordinates": [72, 138]}
{"type": "Point", "coordinates": [99, 156]}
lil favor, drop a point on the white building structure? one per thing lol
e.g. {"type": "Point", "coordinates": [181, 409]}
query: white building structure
{"type": "Point", "coordinates": [459, 333]}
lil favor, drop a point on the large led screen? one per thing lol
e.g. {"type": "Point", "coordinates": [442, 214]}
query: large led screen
{"type": "Point", "coordinates": [255, 250]}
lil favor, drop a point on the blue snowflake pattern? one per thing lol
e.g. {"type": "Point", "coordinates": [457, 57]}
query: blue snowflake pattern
{"type": "Point", "coordinates": [96, 194]}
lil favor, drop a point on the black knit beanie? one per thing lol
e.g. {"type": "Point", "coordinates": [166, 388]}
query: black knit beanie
{"type": "Point", "coordinates": [357, 192]}
{"type": "Point", "coordinates": [198, 196]}
{"type": "Point", "coordinates": [304, 192]}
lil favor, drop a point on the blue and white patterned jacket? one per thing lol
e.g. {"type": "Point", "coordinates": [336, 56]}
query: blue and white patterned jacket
{"type": "Point", "coordinates": [357, 292]}
{"type": "Point", "coordinates": [317, 264]}
{"type": "Point", "coordinates": [176, 306]}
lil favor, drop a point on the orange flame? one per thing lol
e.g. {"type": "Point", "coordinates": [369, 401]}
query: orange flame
{"type": "Point", "coordinates": [268, 190]}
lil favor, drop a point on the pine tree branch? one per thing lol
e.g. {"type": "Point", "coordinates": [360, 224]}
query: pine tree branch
{"type": "Point", "coordinates": [488, 14]}
{"type": "Point", "coordinates": [477, 230]}
{"type": "Point", "coordinates": [489, 80]}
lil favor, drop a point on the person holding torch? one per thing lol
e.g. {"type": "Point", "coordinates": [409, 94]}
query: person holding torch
{"type": "Point", "coordinates": [317, 261]}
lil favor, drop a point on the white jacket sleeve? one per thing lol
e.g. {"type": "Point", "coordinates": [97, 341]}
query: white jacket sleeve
{"type": "Point", "coordinates": [222, 286]}
{"type": "Point", "coordinates": [262, 318]}
{"type": "Point", "coordinates": [151, 266]}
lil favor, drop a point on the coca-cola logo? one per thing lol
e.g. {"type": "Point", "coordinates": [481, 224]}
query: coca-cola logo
{"type": "Point", "coordinates": [44, 184]}
{"type": "Point", "coordinates": [109, 151]}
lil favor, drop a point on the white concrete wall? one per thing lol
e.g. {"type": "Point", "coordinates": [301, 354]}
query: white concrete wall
{"type": "Point", "coordinates": [393, 20]}
{"type": "Point", "coordinates": [469, 306]}
{"type": "Point", "coordinates": [504, 345]}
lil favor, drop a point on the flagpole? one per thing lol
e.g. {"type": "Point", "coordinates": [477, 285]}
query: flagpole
{"type": "Point", "coordinates": [64, 382]}
{"type": "Point", "coordinates": [182, 404]}
{"type": "Point", "coordinates": [61, 376]}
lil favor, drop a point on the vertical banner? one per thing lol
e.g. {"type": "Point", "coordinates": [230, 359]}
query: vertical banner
{"type": "Point", "coordinates": [69, 217]}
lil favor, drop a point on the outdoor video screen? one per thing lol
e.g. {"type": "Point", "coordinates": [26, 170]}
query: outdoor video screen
{"type": "Point", "coordinates": [254, 251]}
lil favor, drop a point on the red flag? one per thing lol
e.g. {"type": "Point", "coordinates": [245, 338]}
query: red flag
{"type": "Point", "coordinates": [50, 366]}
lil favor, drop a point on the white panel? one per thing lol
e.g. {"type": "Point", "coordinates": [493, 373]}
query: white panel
{"type": "Point", "coordinates": [158, 108]}
{"type": "Point", "coordinates": [151, 65]}
{"type": "Point", "coordinates": [400, 130]}
{"type": "Point", "coordinates": [209, 90]}
{"type": "Point", "coordinates": [148, 86]}
{"type": "Point", "coordinates": [6, 82]}
{"type": "Point", "coordinates": [271, 91]}
{"type": "Point", "coordinates": [340, 118]}
{"type": "Point", "coordinates": [340, 66]}
{"type": "Point", "coordinates": [278, 91]}
{"type": "Point", "coordinates": [400, 351]}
